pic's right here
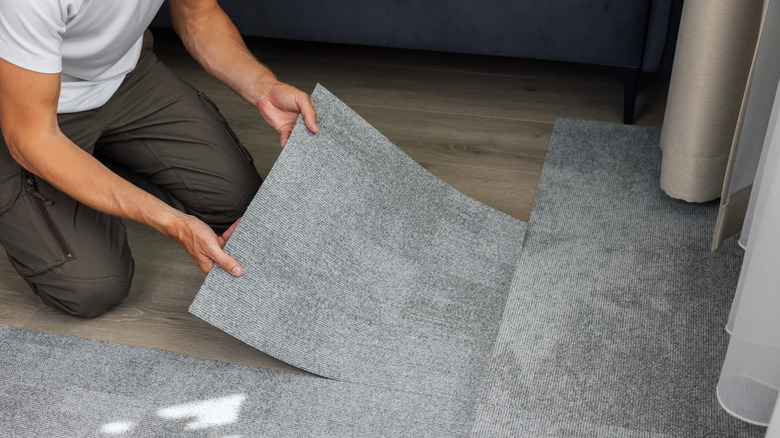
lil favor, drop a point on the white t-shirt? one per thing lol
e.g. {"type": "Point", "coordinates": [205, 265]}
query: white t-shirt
{"type": "Point", "coordinates": [93, 43]}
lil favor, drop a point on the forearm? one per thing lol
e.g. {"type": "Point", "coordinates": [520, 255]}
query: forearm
{"type": "Point", "coordinates": [213, 40]}
{"type": "Point", "coordinates": [85, 179]}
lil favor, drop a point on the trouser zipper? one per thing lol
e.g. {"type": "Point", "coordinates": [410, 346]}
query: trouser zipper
{"type": "Point", "coordinates": [41, 202]}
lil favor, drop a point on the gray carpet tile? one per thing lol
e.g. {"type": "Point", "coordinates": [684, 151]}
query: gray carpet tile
{"type": "Point", "coordinates": [59, 386]}
{"type": "Point", "coordinates": [614, 326]}
{"type": "Point", "coordinates": [361, 266]}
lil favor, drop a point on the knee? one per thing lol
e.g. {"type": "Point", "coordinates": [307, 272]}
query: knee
{"type": "Point", "coordinates": [82, 298]}
{"type": "Point", "coordinates": [232, 205]}
{"type": "Point", "coordinates": [85, 288]}
{"type": "Point", "coordinates": [237, 200]}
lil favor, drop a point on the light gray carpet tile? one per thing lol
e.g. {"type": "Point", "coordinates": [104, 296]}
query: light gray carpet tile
{"type": "Point", "coordinates": [614, 324]}
{"type": "Point", "coordinates": [59, 386]}
{"type": "Point", "coordinates": [361, 266]}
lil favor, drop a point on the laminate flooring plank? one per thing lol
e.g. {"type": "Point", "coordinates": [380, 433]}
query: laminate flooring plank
{"type": "Point", "coordinates": [433, 137]}
{"type": "Point", "coordinates": [507, 191]}
{"type": "Point", "coordinates": [575, 100]}
{"type": "Point", "coordinates": [541, 99]}
{"type": "Point", "coordinates": [504, 97]}
{"type": "Point", "coordinates": [482, 142]}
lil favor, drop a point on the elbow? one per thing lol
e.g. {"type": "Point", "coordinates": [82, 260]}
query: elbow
{"type": "Point", "coordinates": [16, 152]}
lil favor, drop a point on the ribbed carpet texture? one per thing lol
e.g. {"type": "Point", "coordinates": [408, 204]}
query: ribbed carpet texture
{"type": "Point", "coordinates": [426, 313]}
{"type": "Point", "coordinates": [381, 272]}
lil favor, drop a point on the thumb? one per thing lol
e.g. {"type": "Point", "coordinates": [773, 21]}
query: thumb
{"type": "Point", "coordinates": [226, 262]}
{"type": "Point", "coordinates": [309, 113]}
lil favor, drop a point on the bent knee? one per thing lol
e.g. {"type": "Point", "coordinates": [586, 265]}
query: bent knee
{"type": "Point", "coordinates": [231, 206]}
{"type": "Point", "coordinates": [83, 298]}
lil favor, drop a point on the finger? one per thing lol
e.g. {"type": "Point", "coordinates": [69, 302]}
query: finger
{"type": "Point", "coordinates": [229, 232]}
{"type": "Point", "coordinates": [204, 264]}
{"type": "Point", "coordinates": [309, 114]}
{"type": "Point", "coordinates": [284, 136]}
{"type": "Point", "coordinates": [226, 262]}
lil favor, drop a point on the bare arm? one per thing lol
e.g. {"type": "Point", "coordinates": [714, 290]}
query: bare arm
{"type": "Point", "coordinates": [28, 118]}
{"type": "Point", "coordinates": [212, 39]}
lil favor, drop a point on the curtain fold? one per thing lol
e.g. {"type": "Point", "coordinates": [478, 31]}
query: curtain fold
{"type": "Point", "coordinates": [750, 377]}
{"type": "Point", "coordinates": [715, 49]}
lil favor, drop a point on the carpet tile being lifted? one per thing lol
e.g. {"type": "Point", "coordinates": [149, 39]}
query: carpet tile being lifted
{"type": "Point", "coordinates": [361, 266]}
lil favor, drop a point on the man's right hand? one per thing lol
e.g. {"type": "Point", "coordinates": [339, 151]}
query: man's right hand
{"type": "Point", "coordinates": [202, 244]}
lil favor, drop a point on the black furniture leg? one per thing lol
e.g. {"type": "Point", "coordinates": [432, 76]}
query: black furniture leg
{"type": "Point", "coordinates": [630, 78]}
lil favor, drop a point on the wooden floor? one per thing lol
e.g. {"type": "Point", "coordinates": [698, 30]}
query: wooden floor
{"type": "Point", "coordinates": [482, 124]}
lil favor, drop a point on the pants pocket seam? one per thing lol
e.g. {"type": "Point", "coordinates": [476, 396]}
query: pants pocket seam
{"type": "Point", "coordinates": [13, 194]}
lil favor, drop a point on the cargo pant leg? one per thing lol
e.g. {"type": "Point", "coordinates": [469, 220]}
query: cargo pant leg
{"type": "Point", "coordinates": [74, 258]}
{"type": "Point", "coordinates": [157, 132]}
{"type": "Point", "coordinates": [171, 140]}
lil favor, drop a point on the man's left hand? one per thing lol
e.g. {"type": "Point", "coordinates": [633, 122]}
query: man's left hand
{"type": "Point", "coordinates": [213, 40]}
{"type": "Point", "coordinates": [280, 105]}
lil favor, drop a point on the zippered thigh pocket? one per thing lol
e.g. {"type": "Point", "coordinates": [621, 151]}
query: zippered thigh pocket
{"type": "Point", "coordinates": [40, 204]}
{"type": "Point", "coordinates": [28, 232]}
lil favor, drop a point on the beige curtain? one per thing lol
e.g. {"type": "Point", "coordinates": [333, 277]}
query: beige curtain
{"type": "Point", "coordinates": [715, 49]}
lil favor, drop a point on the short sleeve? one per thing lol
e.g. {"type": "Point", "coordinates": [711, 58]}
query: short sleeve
{"type": "Point", "coordinates": [30, 34]}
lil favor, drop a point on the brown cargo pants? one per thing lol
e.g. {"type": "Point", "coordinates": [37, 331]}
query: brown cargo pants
{"type": "Point", "coordinates": [157, 132]}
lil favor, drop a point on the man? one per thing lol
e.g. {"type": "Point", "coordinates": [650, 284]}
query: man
{"type": "Point", "coordinates": [82, 101]}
